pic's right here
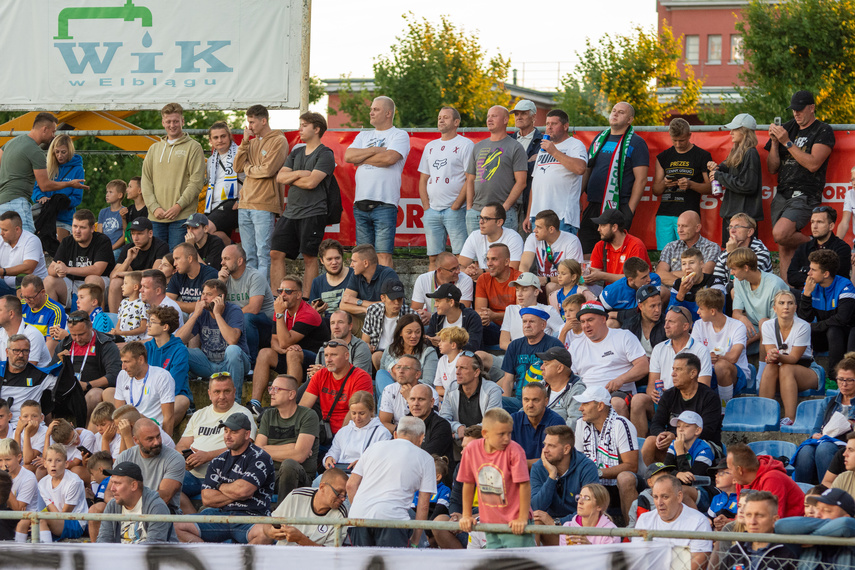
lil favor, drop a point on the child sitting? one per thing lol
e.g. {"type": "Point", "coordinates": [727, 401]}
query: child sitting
{"type": "Point", "coordinates": [90, 298]}
{"type": "Point", "coordinates": [108, 438]}
{"type": "Point", "coordinates": [692, 456]}
{"type": "Point", "coordinates": [723, 506]}
{"type": "Point", "coordinates": [98, 494]}
{"type": "Point", "coordinates": [694, 279]}
{"type": "Point", "coordinates": [7, 526]}
{"type": "Point", "coordinates": [132, 315]}
{"type": "Point", "coordinates": [644, 502]}
{"type": "Point", "coordinates": [62, 492]}
{"type": "Point", "coordinates": [60, 431]}
{"type": "Point", "coordinates": [451, 343]}
{"type": "Point", "coordinates": [110, 221]}
{"type": "Point", "coordinates": [439, 500]}
{"type": "Point", "coordinates": [30, 434]}
{"type": "Point", "coordinates": [572, 327]}
{"type": "Point", "coordinates": [570, 279]}
{"type": "Point", "coordinates": [25, 491]}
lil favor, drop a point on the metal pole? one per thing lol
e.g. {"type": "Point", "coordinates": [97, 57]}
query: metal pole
{"type": "Point", "coordinates": [305, 49]}
{"type": "Point", "coordinates": [337, 535]}
{"type": "Point", "coordinates": [34, 529]}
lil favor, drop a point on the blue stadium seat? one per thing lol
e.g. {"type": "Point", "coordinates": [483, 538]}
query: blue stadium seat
{"type": "Point", "coordinates": [776, 449]}
{"type": "Point", "coordinates": [751, 387]}
{"type": "Point", "coordinates": [806, 415]}
{"type": "Point", "coordinates": [751, 414]}
{"type": "Point", "coordinates": [805, 487]}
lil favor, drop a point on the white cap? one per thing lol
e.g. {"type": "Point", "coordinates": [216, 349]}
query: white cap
{"type": "Point", "coordinates": [689, 417]}
{"type": "Point", "coordinates": [742, 120]}
{"type": "Point", "coordinates": [594, 394]}
{"type": "Point", "coordinates": [524, 105]}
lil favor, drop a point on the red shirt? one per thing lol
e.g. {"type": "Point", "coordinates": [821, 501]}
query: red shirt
{"type": "Point", "coordinates": [499, 295]}
{"type": "Point", "coordinates": [497, 477]}
{"type": "Point", "coordinates": [325, 387]}
{"type": "Point", "coordinates": [616, 257]}
{"type": "Point", "coordinates": [307, 322]}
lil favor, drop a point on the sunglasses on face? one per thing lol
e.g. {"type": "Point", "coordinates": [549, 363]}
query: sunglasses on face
{"type": "Point", "coordinates": [285, 291]}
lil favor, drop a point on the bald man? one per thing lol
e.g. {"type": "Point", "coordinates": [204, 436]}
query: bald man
{"type": "Point", "coordinates": [497, 172]}
{"type": "Point", "coordinates": [689, 232]}
{"type": "Point", "coordinates": [438, 437]}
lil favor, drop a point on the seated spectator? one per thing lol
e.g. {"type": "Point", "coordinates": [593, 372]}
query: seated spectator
{"type": "Point", "coordinates": [470, 396]}
{"type": "Point", "coordinates": [153, 290]}
{"type": "Point", "coordinates": [327, 289]}
{"type": "Point", "coordinates": [611, 442]}
{"type": "Point", "coordinates": [289, 432]}
{"type": "Point", "coordinates": [619, 298]}
{"type": "Point", "coordinates": [249, 290]}
{"type": "Point", "coordinates": [6, 429]}
{"type": "Point", "coordinates": [131, 496]}
{"type": "Point", "coordinates": [29, 432]}
{"type": "Point", "coordinates": [447, 273]}
{"type": "Point", "coordinates": [561, 384]}
{"type": "Point", "coordinates": [21, 380]}
{"type": "Point", "coordinates": [521, 364]}
{"type": "Point", "coordinates": [789, 366]}
{"type": "Point", "coordinates": [395, 397]}
{"type": "Point", "coordinates": [140, 254]}
{"type": "Point", "coordinates": [362, 288]}
{"type": "Point", "coordinates": [822, 222]}
{"type": "Point", "coordinates": [828, 304]}
{"type": "Point", "coordinates": [648, 322]}
{"type": "Point", "coordinates": [572, 328]}
{"type": "Point", "coordinates": [569, 280]}
{"type": "Point", "coordinates": [341, 329]}
{"type": "Point", "coordinates": [209, 247]}
{"type": "Point", "coordinates": [491, 224]}
{"type": "Point", "coordinates": [527, 289]}
{"type": "Point", "coordinates": [408, 339]}
{"type": "Point", "coordinates": [126, 417]}
{"type": "Point", "coordinates": [99, 492]}
{"type": "Point", "coordinates": [153, 385]}
{"type": "Point", "coordinates": [546, 247]}
{"type": "Point", "coordinates": [450, 312]}
{"type": "Point", "coordinates": [86, 256]}
{"type": "Point", "coordinates": [685, 289]}
{"type": "Point", "coordinates": [593, 504]}
{"type": "Point", "coordinates": [835, 509]}
{"type": "Point", "coordinates": [742, 233]}
{"type": "Point", "coordinates": [753, 292]}
{"type": "Point", "coordinates": [40, 310]}
{"type": "Point", "coordinates": [846, 480]}
{"type": "Point", "coordinates": [90, 298]}
{"type": "Point", "coordinates": [165, 350]}
{"type": "Point", "coordinates": [678, 328]}
{"type": "Point", "coordinates": [687, 395]}
{"type": "Point", "coordinates": [438, 437]}
{"type": "Point", "coordinates": [616, 245]}
{"type": "Point", "coordinates": [763, 473]}
{"type": "Point", "coordinates": [107, 437]}
{"type": "Point", "coordinates": [451, 342]}
{"type": "Point", "coordinates": [12, 323]}
{"type": "Point", "coordinates": [217, 326]}
{"type": "Point", "coordinates": [20, 252]}
{"type": "Point", "coordinates": [644, 502]}
{"type": "Point", "coordinates": [382, 318]}
{"type": "Point", "coordinates": [670, 267]}
{"type": "Point", "coordinates": [62, 492]}
{"type": "Point", "coordinates": [725, 338]}
{"type": "Point", "coordinates": [62, 431]}
{"type": "Point", "coordinates": [239, 482]}
{"type": "Point", "coordinates": [692, 456]}
{"type": "Point", "coordinates": [608, 358]}
{"type": "Point", "coordinates": [185, 286]}
{"type": "Point", "coordinates": [326, 501]}
{"type": "Point", "coordinates": [132, 318]}
{"type": "Point", "coordinates": [23, 485]}
{"type": "Point", "coordinates": [531, 422]}
{"type": "Point", "coordinates": [722, 505]}
{"type": "Point", "coordinates": [363, 430]}
{"type": "Point", "coordinates": [110, 221]}
{"type": "Point", "coordinates": [493, 292]}
{"type": "Point", "coordinates": [439, 500]}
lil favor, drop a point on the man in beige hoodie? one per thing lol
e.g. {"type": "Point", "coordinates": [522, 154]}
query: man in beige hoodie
{"type": "Point", "coordinates": [261, 197]}
{"type": "Point", "coordinates": [172, 178]}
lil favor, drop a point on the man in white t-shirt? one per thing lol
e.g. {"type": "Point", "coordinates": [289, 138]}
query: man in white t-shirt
{"type": "Point", "coordinates": [379, 155]}
{"type": "Point", "coordinates": [527, 288]}
{"type": "Point", "coordinates": [150, 389]}
{"type": "Point", "coordinates": [671, 514]}
{"type": "Point", "coordinates": [393, 402]}
{"type": "Point", "coordinates": [383, 484]}
{"type": "Point", "coordinates": [609, 358]}
{"type": "Point", "coordinates": [447, 271]}
{"type": "Point", "coordinates": [678, 330]}
{"type": "Point", "coordinates": [547, 247]}
{"type": "Point", "coordinates": [491, 223]}
{"type": "Point", "coordinates": [441, 185]}
{"type": "Point", "coordinates": [20, 252]}
{"type": "Point", "coordinates": [12, 323]}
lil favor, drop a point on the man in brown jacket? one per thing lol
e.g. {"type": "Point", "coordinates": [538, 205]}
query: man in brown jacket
{"type": "Point", "coordinates": [261, 197]}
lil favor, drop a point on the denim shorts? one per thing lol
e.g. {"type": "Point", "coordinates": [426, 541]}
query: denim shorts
{"type": "Point", "coordinates": [377, 227]}
{"type": "Point", "coordinates": [440, 225]}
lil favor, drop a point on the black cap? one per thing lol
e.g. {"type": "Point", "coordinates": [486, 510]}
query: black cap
{"type": "Point", "coordinates": [840, 498]}
{"type": "Point", "coordinates": [720, 466]}
{"type": "Point", "coordinates": [126, 469]}
{"type": "Point", "coordinates": [140, 225]}
{"type": "Point", "coordinates": [393, 289]}
{"type": "Point", "coordinates": [236, 421]}
{"type": "Point", "coordinates": [645, 292]}
{"type": "Point", "coordinates": [558, 353]}
{"type": "Point", "coordinates": [655, 468]}
{"type": "Point", "coordinates": [611, 217]}
{"type": "Point", "coordinates": [197, 220]}
{"type": "Point", "coordinates": [800, 100]}
{"type": "Point", "coordinates": [446, 291]}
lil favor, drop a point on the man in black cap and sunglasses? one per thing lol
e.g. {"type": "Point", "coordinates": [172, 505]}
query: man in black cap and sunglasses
{"type": "Point", "coordinates": [798, 153]}
{"type": "Point", "coordinates": [822, 222]}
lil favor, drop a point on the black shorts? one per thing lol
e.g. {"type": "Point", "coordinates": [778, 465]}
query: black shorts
{"type": "Point", "coordinates": [224, 217]}
{"type": "Point", "coordinates": [293, 237]}
{"type": "Point", "coordinates": [625, 396]}
{"type": "Point", "coordinates": [798, 210]}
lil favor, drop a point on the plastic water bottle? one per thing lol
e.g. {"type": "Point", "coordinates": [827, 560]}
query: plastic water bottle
{"type": "Point", "coordinates": [717, 190]}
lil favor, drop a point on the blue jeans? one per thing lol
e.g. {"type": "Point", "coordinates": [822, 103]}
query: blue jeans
{"type": "Point", "coordinates": [192, 486]}
{"type": "Point", "coordinates": [377, 227]}
{"type": "Point", "coordinates": [562, 225]}
{"type": "Point", "coordinates": [170, 232]}
{"type": "Point", "coordinates": [381, 380]}
{"type": "Point", "coordinates": [472, 220]}
{"type": "Point", "coordinates": [666, 231]}
{"type": "Point", "coordinates": [812, 462]}
{"type": "Point", "coordinates": [259, 329]}
{"type": "Point", "coordinates": [491, 335]}
{"type": "Point", "coordinates": [235, 363]}
{"type": "Point", "coordinates": [5, 289]}
{"type": "Point", "coordinates": [511, 404]}
{"type": "Point", "coordinates": [221, 532]}
{"type": "Point", "coordinates": [440, 225]}
{"type": "Point", "coordinates": [256, 227]}
{"type": "Point", "coordinates": [24, 209]}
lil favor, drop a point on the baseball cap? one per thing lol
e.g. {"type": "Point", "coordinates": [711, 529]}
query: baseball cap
{"type": "Point", "coordinates": [393, 289]}
{"type": "Point", "coordinates": [594, 394]}
{"type": "Point", "coordinates": [689, 417]}
{"type": "Point", "coordinates": [655, 468]}
{"type": "Point", "coordinates": [610, 216]}
{"type": "Point", "coordinates": [141, 224]}
{"type": "Point", "coordinates": [558, 353]}
{"type": "Point", "coordinates": [800, 100]}
{"type": "Point", "coordinates": [840, 498]}
{"type": "Point", "coordinates": [126, 469]}
{"type": "Point", "coordinates": [742, 120]}
{"type": "Point", "coordinates": [534, 311]}
{"type": "Point", "coordinates": [720, 466]}
{"type": "Point", "coordinates": [645, 292]}
{"type": "Point", "coordinates": [524, 105]}
{"type": "Point", "coordinates": [591, 308]}
{"type": "Point", "coordinates": [197, 220]}
{"type": "Point", "coordinates": [446, 291]}
{"type": "Point", "coordinates": [236, 421]}
{"type": "Point", "coordinates": [526, 280]}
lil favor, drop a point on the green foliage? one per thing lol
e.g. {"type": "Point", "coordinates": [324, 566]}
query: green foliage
{"type": "Point", "coordinates": [629, 68]}
{"type": "Point", "coordinates": [354, 104]}
{"type": "Point", "coordinates": [316, 89]}
{"type": "Point", "coordinates": [798, 44]}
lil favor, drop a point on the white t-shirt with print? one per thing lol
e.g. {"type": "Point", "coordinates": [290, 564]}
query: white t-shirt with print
{"type": "Point", "coordinates": [207, 434]}
{"type": "Point", "coordinates": [476, 245]}
{"type": "Point", "coordinates": [733, 332]}
{"type": "Point", "coordinates": [555, 188]}
{"type": "Point", "coordinates": [393, 402]}
{"type": "Point", "coordinates": [598, 363]}
{"type": "Point", "coordinates": [662, 359]}
{"type": "Point", "coordinates": [147, 394]}
{"type": "Point", "coordinates": [426, 283]}
{"type": "Point", "coordinates": [512, 321]}
{"type": "Point", "coordinates": [567, 246]}
{"type": "Point", "coordinates": [115, 445]}
{"type": "Point", "coordinates": [87, 440]}
{"type": "Point", "coordinates": [446, 372]}
{"type": "Point", "coordinates": [381, 184]}
{"type": "Point", "coordinates": [445, 164]}
{"type": "Point", "coordinates": [799, 336]}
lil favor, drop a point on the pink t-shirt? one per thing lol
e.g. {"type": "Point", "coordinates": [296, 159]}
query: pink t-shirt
{"type": "Point", "coordinates": [604, 522]}
{"type": "Point", "coordinates": [498, 476]}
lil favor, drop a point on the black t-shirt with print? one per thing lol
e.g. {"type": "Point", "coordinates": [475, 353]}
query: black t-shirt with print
{"type": "Point", "coordinates": [100, 248]}
{"type": "Point", "coordinates": [145, 259]}
{"type": "Point", "coordinates": [793, 178]}
{"type": "Point", "coordinates": [691, 165]}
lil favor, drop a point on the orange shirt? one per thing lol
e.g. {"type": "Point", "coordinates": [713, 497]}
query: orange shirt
{"type": "Point", "coordinates": [498, 294]}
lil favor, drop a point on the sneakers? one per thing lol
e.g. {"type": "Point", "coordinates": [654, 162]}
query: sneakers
{"type": "Point", "coordinates": [255, 409]}
{"type": "Point", "coordinates": [786, 422]}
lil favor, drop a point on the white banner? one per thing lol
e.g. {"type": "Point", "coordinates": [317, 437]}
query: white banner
{"type": "Point", "coordinates": [142, 54]}
{"type": "Point", "coordinates": [69, 556]}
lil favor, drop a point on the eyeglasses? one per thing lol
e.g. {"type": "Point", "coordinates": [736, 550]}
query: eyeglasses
{"type": "Point", "coordinates": [33, 297]}
{"type": "Point", "coordinates": [20, 350]}
{"type": "Point", "coordinates": [738, 227]}
{"type": "Point", "coordinates": [844, 380]}
{"type": "Point", "coordinates": [286, 291]}
{"type": "Point", "coordinates": [273, 390]}
{"type": "Point", "coordinates": [220, 375]}
{"type": "Point", "coordinates": [583, 498]}
{"type": "Point", "coordinates": [485, 219]}
{"type": "Point", "coordinates": [402, 367]}
{"type": "Point", "coordinates": [334, 344]}
{"type": "Point", "coordinates": [74, 320]}
{"type": "Point", "coordinates": [340, 494]}
{"type": "Point", "coordinates": [154, 322]}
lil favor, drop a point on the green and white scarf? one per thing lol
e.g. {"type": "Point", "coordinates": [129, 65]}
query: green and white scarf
{"type": "Point", "coordinates": [611, 196]}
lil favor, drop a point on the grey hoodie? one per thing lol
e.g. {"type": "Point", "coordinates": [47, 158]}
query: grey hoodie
{"type": "Point", "coordinates": [152, 504]}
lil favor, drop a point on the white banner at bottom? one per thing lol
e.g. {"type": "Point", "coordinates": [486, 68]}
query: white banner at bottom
{"type": "Point", "coordinates": [70, 556]}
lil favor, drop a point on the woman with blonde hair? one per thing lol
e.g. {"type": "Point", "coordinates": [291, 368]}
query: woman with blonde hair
{"type": "Point", "coordinates": [591, 505]}
{"type": "Point", "coordinates": [740, 174]}
{"type": "Point", "coordinates": [63, 164]}
{"type": "Point", "coordinates": [351, 441]}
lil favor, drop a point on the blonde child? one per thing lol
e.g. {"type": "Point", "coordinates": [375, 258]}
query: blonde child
{"type": "Point", "coordinates": [62, 492]}
{"type": "Point", "coordinates": [133, 314]}
{"type": "Point", "coordinates": [569, 278]}
{"type": "Point", "coordinates": [110, 221]}
{"type": "Point", "coordinates": [30, 434]}
{"type": "Point", "coordinates": [572, 327]}
{"type": "Point", "coordinates": [60, 431]}
{"type": "Point", "coordinates": [25, 486]}
{"type": "Point", "coordinates": [451, 343]}
{"type": "Point", "coordinates": [108, 438]}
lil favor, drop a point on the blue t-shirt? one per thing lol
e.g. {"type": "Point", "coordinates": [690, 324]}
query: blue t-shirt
{"type": "Point", "coordinates": [700, 451]}
{"type": "Point", "coordinates": [723, 502]}
{"type": "Point", "coordinates": [619, 296]}
{"type": "Point", "coordinates": [521, 360]}
{"type": "Point", "coordinates": [529, 438]}
{"type": "Point", "coordinates": [636, 155]}
{"type": "Point", "coordinates": [111, 224]}
{"type": "Point", "coordinates": [190, 290]}
{"type": "Point", "coordinates": [213, 344]}
{"type": "Point", "coordinates": [321, 289]}
{"type": "Point", "coordinates": [562, 296]}
{"type": "Point", "coordinates": [439, 498]}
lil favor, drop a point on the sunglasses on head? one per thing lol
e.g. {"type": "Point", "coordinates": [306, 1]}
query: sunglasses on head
{"type": "Point", "coordinates": [220, 375]}
{"type": "Point", "coordinates": [334, 343]}
{"type": "Point", "coordinates": [74, 320]}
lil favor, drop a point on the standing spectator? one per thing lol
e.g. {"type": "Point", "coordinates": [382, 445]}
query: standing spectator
{"type": "Point", "coordinates": [497, 172]}
{"type": "Point", "coordinates": [140, 254]}
{"type": "Point", "coordinates": [209, 247]}
{"type": "Point", "coordinates": [763, 473]}
{"type": "Point", "coordinates": [261, 154]}
{"type": "Point", "coordinates": [558, 171]}
{"type": "Point", "coordinates": [741, 232]}
{"type": "Point", "coordinates": [162, 468]}
{"type": "Point", "coordinates": [753, 291]}
{"type": "Point", "coordinates": [131, 496]}
{"type": "Point", "coordinates": [822, 222]}
{"type": "Point", "coordinates": [173, 175]}
{"type": "Point", "coordinates": [532, 421]}
{"type": "Point", "coordinates": [448, 271]}
{"type": "Point", "coordinates": [680, 178]}
{"type": "Point", "coordinates": [614, 183]}
{"type": "Point", "coordinates": [63, 165]}
{"type": "Point", "coordinates": [740, 176]}
{"type": "Point", "coordinates": [327, 289]}
{"type": "Point", "coordinates": [20, 252]}
{"type": "Point", "coordinates": [529, 137]}
{"type": "Point", "coordinates": [548, 246]}
{"type": "Point", "coordinates": [308, 171]}
{"type": "Point", "coordinates": [492, 230]}
{"type": "Point", "coordinates": [223, 183]}
{"type": "Point", "coordinates": [442, 186]}
{"type": "Point", "coordinates": [362, 288]}
{"type": "Point", "coordinates": [798, 154]}
{"type": "Point", "coordinates": [110, 220]}
{"type": "Point", "coordinates": [379, 155]}
{"type": "Point", "coordinates": [494, 292]}
{"type": "Point", "coordinates": [156, 395]}
{"type": "Point", "coordinates": [185, 286]}
{"type": "Point", "coordinates": [616, 245]}
{"type": "Point", "coordinates": [688, 229]}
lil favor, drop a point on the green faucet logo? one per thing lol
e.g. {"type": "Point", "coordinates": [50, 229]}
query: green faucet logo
{"type": "Point", "coordinates": [129, 13]}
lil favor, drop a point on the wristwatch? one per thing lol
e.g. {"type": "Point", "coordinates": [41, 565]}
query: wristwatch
{"type": "Point", "coordinates": [279, 316]}
{"type": "Point", "coordinates": [359, 302]}
{"type": "Point", "coordinates": [600, 473]}
{"type": "Point", "coordinates": [789, 144]}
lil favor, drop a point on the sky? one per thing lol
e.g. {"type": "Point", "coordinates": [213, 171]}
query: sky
{"type": "Point", "coordinates": [347, 36]}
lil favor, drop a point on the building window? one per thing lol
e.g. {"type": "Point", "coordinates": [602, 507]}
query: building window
{"type": "Point", "coordinates": [713, 49]}
{"type": "Point", "coordinates": [736, 49]}
{"type": "Point", "coordinates": [693, 50]}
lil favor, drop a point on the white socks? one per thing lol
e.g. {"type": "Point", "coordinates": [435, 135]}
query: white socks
{"type": "Point", "coordinates": [726, 395]}
{"type": "Point", "coordinates": [20, 537]}
{"type": "Point", "coordinates": [45, 536]}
